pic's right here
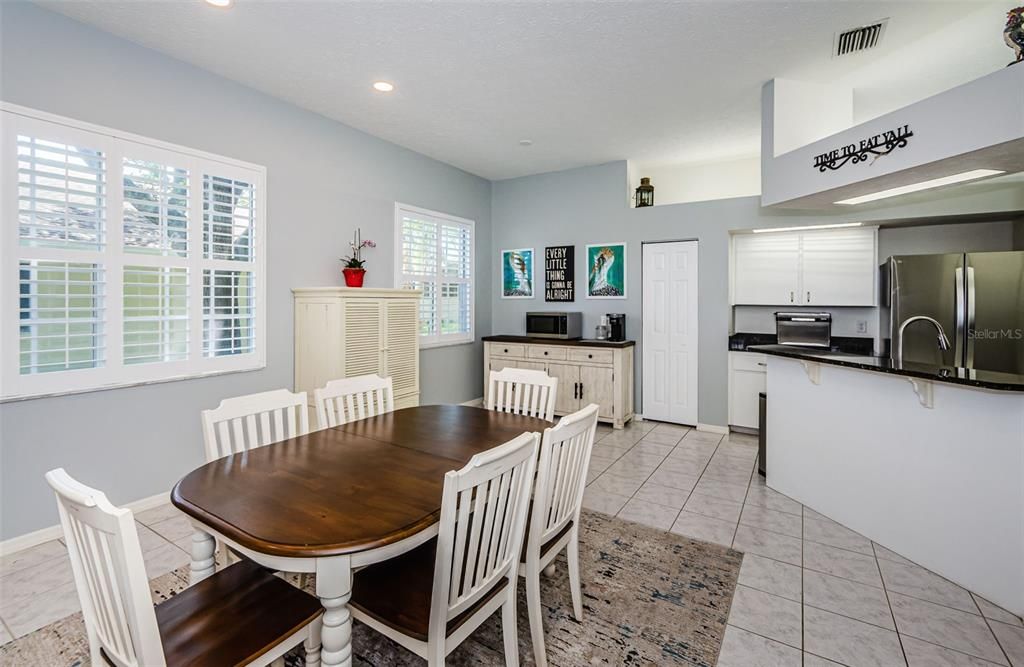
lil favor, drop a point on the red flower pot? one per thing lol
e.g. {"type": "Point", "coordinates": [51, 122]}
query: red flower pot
{"type": "Point", "coordinates": [354, 277]}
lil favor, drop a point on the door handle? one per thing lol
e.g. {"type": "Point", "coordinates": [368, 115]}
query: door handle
{"type": "Point", "coordinates": [581, 391]}
{"type": "Point", "coordinates": [792, 296]}
{"type": "Point", "coordinates": [808, 297]}
{"type": "Point", "coordinates": [575, 389]}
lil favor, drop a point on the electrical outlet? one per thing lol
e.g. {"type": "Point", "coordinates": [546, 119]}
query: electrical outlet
{"type": "Point", "coordinates": [862, 326]}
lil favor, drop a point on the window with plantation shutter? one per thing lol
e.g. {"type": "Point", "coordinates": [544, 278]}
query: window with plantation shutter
{"type": "Point", "coordinates": [434, 253]}
{"type": "Point", "coordinates": [132, 260]}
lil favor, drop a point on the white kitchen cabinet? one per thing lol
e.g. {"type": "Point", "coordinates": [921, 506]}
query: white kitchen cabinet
{"type": "Point", "coordinates": [586, 373]}
{"type": "Point", "coordinates": [839, 267]}
{"type": "Point", "coordinates": [766, 268]}
{"type": "Point", "coordinates": [824, 267]}
{"type": "Point", "coordinates": [342, 332]}
{"type": "Point", "coordinates": [747, 378]}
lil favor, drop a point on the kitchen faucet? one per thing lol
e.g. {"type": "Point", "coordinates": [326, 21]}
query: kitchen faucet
{"type": "Point", "coordinates": [942, 340]}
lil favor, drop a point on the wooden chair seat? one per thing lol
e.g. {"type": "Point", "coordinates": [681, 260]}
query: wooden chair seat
{"type": "Point", "coordinates": [397, 592]}
{"type": "Point", "coordinates": [232, 617]}
{"type": "Point", "coordinates": [548, 544]}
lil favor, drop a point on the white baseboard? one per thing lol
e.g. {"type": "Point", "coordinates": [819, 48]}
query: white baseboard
{"type": "Point", "coordinates": [713, 428]}
{"type": "Point", "coordinates": [50, 533]}
{"type": "Point", "coordinates": [475, 403]}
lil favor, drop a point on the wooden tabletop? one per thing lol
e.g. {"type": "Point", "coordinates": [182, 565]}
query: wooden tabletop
{"type": "Point", "coordinates": [347, 489]}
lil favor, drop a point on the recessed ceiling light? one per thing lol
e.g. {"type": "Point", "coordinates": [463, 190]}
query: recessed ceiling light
{"type": "Point", "coordinates": [765, 230]}
{"type": "Point", "coordinates": [525, 142]}
{"type": "Point", "coordinates": [219, 3]}
{"type": "Point", "coordinates": [383, 86]}
{"type": "Point", "coordinates": [923, 185]}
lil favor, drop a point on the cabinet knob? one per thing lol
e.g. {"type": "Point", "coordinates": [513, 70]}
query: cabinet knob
{"type": "Point", "coordinates": [590, 356]}
{"type": "Point", "coordinates": [506, 350]}
{"type": "Point", "coordinates": [545, 353]}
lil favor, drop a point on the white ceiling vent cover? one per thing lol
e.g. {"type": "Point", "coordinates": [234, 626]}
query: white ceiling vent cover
{"type": "Point", "coordinates": [859, 39]}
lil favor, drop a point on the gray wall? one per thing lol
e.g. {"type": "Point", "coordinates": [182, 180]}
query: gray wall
{"type": "Point", "coordinates": [923, 240]}
{"type": "Point", "coordinates": [587, 205]}
{"type": "Point", "coordinates": [1018, 235]}
{"type": "Point", "coordinates": [323, 180]}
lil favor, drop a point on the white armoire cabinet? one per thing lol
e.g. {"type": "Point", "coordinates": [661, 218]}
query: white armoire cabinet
{"type": "Point", "coordinates": [346, 331]}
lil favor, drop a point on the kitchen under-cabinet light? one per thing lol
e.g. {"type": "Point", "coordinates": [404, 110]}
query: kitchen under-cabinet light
{"type": "Point", "coordinates": [923, 185]}
{"type": "Point", "coordinates": [765, 230]}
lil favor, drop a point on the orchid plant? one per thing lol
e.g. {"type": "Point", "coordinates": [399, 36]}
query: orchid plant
{"type": "Point", "coordinates": [355, 260]}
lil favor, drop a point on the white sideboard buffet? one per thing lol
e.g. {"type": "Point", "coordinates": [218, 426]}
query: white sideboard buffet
{"type": "Point", "coordinates": [342, 331]}
{"type": "Point", "coordinates": [588, 371]}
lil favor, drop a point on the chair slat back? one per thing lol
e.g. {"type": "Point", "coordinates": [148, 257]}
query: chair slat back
{"type": "Point", "coordinates": [562, 474]}
{"type": "Point", "coordinates": [349, 399]}
{"type": "Point", "coordinates": [110, 575]}
{"type": "Point", "coordinates": [482, 526]}
{"type": "Point", "coordinates": [246, 422]}
{"type": "Point", "coordinates": [522, 391]}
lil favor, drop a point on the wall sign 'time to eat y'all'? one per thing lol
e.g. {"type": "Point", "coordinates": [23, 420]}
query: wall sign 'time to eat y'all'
{"type": "Point", "coordinates": [877, 145]}
{"type": "Point", "coordinates": [559, 273]}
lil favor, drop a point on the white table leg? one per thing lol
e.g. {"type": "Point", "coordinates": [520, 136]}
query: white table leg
{"type": "Point", "coordinates": [334, 588]}
{"type": "Point", "coordinates": [204, 562]}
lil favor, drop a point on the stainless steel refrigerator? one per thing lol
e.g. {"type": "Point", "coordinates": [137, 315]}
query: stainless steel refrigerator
{"type": "Point", "coordinates": [978, 298]}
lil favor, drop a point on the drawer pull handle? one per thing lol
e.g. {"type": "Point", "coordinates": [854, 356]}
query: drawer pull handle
{"type": "Point", "coordinates": [761, 363]}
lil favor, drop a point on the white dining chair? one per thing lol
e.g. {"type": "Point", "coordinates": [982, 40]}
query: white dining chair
{"type": "Point", "coordinates": [522, 391]}
{"type": "Point", "coordinates": [347, 399]}
{"type": "Point", "coordinates": [245, 422]}
{"type": "Point", "coordinates": [430, 599]}
{"type": "Point", "coordinates": [242, 615]}
{"type": "Point", "coordinates": [555, 515]}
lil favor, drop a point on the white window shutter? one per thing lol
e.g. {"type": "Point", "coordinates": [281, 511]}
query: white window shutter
{"type": "Point", "coordinates": [136, 260]}
{"type": "Point", "coordinates": [436, 257]}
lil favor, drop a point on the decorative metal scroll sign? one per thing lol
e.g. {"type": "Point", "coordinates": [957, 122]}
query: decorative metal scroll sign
{"type": "Point", "coordinates": [877, 145]}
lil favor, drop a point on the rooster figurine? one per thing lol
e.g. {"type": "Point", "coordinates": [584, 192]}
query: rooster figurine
{"type": "Point", "coordinates": [1013, 35]}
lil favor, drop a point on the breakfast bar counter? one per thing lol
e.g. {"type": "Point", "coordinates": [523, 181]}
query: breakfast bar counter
{"type": "Point", "coordinates": [930, 466]}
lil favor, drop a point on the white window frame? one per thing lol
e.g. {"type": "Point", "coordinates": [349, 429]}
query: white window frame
{"type": "Point", "coordinates": [116, 145]}
{"type": "Point", "coordinates": [428, 341]}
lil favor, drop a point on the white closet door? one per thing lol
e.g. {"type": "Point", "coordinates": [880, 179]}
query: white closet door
{"type": "Point", "coordinates": [363, 341]}
{"type": "Point", "coordinates": [670, 331]}
{"type": "Point", "coordinates": [402, 346]}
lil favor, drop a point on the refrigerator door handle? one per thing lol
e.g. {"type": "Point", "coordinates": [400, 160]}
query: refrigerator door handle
{"type": "Point", "coordinates": [960, 314]}
{"type": "Point", "coordinates": [969, 331]}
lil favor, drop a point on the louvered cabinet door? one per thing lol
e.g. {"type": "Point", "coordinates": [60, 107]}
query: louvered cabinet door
{"type": "Point", "coordinates": [401, 353]}
{"type": "Point", "coordinates": [363, 337]}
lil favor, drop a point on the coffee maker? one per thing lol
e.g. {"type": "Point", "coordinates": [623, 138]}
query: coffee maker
{"type": "Point", "coordinates": [617, 326]}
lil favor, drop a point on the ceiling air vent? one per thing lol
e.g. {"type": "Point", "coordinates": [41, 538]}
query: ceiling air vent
{"type": "Point", "coordinates": [859, 39]}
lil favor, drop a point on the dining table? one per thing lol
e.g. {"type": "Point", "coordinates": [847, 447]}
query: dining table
{"type": "Point", "coordinates": [335, 500]}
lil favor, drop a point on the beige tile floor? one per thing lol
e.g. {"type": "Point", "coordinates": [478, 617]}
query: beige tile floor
{"type": "Point", "coordinates": [811, 592]}
{"type": "Point", "coordinates": [37, 587]}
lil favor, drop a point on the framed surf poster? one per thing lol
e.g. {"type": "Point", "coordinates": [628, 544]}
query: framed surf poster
{"type": "Point", "coordinates": [606, 271]}
{"type": "Point", "coordinates": [517, 274]}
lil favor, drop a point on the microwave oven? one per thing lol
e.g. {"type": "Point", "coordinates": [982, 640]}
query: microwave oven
{"type": "Point", "coordinates": [554, 325]}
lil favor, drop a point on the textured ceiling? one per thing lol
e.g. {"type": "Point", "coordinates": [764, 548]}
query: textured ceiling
{"type": "Point", "coordinates": [587, 82]}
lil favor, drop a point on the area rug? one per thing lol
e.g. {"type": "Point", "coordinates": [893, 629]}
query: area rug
{"type": "Point", "coordinates": [649, 598]}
